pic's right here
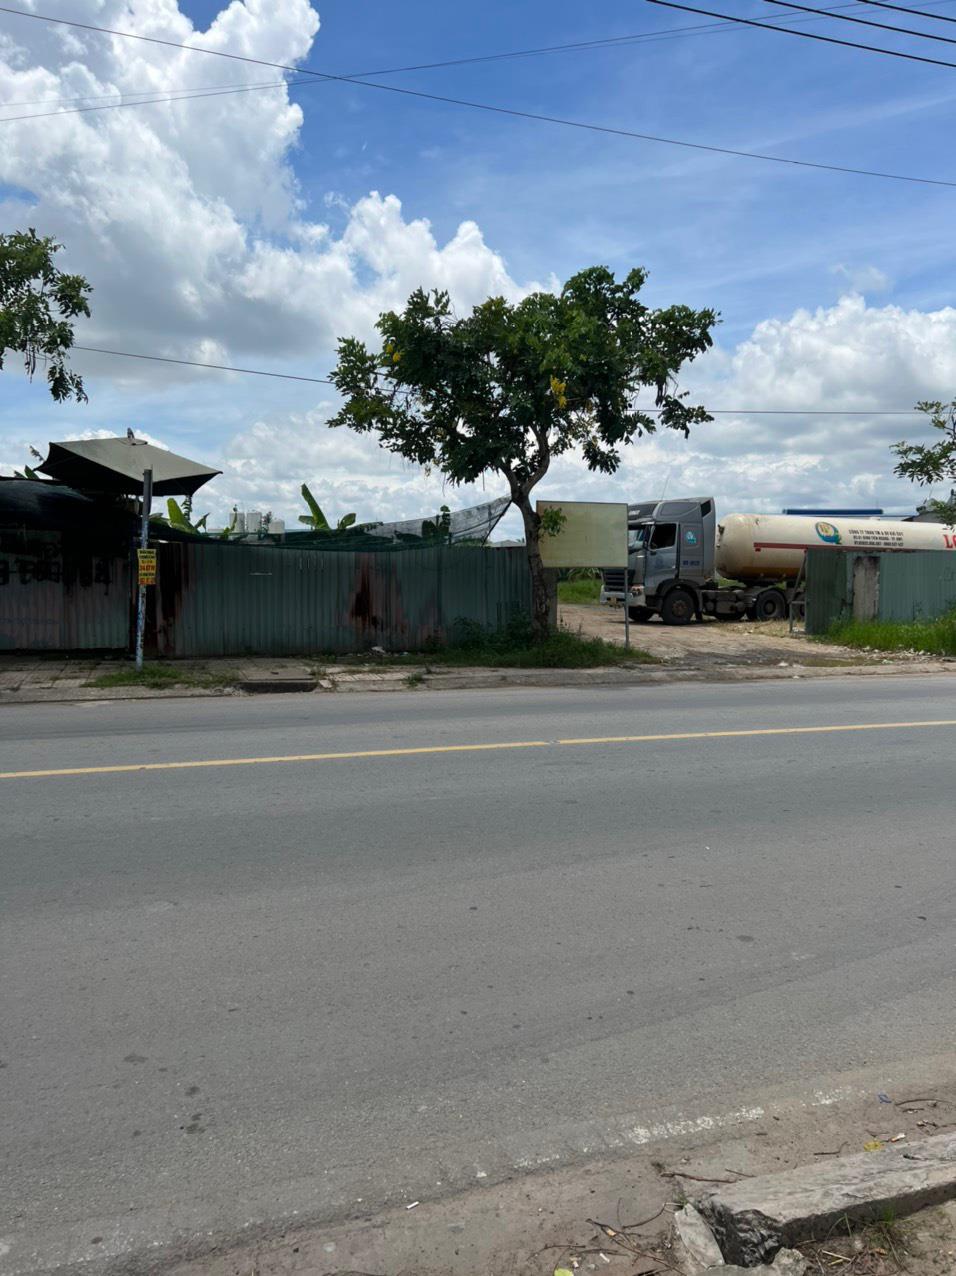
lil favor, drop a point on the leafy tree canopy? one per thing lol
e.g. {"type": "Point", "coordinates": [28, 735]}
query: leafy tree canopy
{"type": "Point", "coordinates": [36, 303]}
{"type": "Point", "coordinates": [936, 463]}
{"type": "Point", "coordinates": [510, 387]}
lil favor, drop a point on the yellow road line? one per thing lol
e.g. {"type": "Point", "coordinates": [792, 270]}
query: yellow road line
{"type": "Point", "coordinates": [723, 735]}
{"type": "Point", "coordinates": [287, 757]}
{"type": "Point", "coordinates": [466, 748]}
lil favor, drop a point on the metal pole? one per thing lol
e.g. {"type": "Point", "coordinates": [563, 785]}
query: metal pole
{"type": "Point", "coordinates": [627, 594]}
{"type": "Point", "coordinates": [144, 544]}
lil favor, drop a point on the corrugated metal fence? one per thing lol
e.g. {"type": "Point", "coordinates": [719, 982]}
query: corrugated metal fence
{"type": "Point", "coordinates": [62, 593]}
{"type": "Point", "coordinates": [230, 600]}
{"type": "Point", "coordinates": [216, 599]}
{"type": "Point", "coordinates": [891, 586]}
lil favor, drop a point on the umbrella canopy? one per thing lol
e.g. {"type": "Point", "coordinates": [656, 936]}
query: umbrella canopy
{"type": "Point", "coordinates": [117, 465]}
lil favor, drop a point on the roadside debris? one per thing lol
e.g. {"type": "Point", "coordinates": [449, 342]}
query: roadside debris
{"type": "Point", "coordinates": [628, 1245]}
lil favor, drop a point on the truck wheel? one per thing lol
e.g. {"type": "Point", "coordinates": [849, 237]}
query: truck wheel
{"type": "Point", "coordinates": [678, 608]}
{"type": "Point", "coordinates": [769, 604]}
{"type": "Point", "coordinates": [640, 615]}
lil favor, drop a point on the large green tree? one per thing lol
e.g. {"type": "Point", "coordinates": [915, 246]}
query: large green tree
{"type": "Point", "coordinates": [508, 388]}
{"type": "Point", "coordinates": [37, 302]}
{"type": "Point", "coordinates": [936, 463]}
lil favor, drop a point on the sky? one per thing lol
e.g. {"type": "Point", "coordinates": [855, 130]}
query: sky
{"type": "Point", "coordinates": [257, 228]}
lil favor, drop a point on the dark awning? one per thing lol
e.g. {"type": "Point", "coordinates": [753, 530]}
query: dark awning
{"type": "Point", "coordinates": [117, 465]}
{"type": "Point", "coordinates": [39, 506]}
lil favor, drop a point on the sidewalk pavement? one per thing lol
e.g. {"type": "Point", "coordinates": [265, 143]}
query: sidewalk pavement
{"type": "Point", "coordinates": [26, 679]}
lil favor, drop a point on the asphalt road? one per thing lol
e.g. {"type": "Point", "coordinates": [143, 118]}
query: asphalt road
{"type": "Point", "coordinates": [233, 992]}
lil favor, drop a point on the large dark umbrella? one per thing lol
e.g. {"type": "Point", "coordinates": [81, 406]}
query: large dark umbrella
{"type": "Point", "coordinates": [117, 465]}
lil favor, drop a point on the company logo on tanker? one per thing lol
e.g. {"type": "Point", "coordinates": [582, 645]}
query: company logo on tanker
{"type": "Point", "coordinates": [828, 533]}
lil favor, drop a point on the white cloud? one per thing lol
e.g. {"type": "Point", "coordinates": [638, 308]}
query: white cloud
{"type": "Point", "coordinates": [848, 356]}
{"type": "Point", "coordinates": [863, 279]}
{"type": "Point", "coordinates": [188, 219]}
{"type": "Point", "coordinates": [265, 466]}
{"type": "Point", "coordinates": [186, 216]}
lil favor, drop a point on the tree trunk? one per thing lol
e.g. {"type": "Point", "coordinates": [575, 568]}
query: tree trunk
{"type": "Point", "coordinates": [540, 578]}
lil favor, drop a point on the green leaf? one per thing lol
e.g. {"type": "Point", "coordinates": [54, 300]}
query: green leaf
{"type": "Point", "coordinates": [176, 516]}
{"type": "Point", "coordinates": [36, 303]}
{"type": "Point", "coordinates": [316, 518]}
{"type": "Point", "coordinates": [507, 388]}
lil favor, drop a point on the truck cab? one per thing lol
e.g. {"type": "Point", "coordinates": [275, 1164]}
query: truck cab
{"type": "Point", "coordinates": [670, 560]}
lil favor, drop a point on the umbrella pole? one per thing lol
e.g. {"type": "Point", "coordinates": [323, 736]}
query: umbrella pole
{"type": "Point", "coordinates": [144, 544]}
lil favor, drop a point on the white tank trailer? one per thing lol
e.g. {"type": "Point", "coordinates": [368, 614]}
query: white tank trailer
{"type": "Point", "coordinates": [685, 563]}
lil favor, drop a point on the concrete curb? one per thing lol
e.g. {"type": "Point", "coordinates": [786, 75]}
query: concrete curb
{"type": "Point", "coordinates": [754, 1219]}
{"type": "Point", "coordinates": [476, 680]}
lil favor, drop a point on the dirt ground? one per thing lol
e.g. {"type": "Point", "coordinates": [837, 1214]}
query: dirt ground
{"type": "Point", "coordinates": [711, 643]}
{"type": "Point", "coordinates": [921, 1245]}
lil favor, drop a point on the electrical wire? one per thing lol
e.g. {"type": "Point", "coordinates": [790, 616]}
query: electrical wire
{"type": "Point", "coordinates": [864, 22]}
{"type": "Point", "coordinates": [182, 96]}
{"type": "Point", "coordinates": [623, 41]}
{"type": "Point", "coordinates": [902, 8]}
{"type": "Point", "coordinates": [514, 113]}
{"type": "Point", "coordinates": [288, 376]}
{"type": "Point", "coordinates": [216, 367]}
{"type": "Point", "coordinates": [806, 35]}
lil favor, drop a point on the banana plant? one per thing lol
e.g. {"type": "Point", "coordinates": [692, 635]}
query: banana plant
{"type": "Point", "coordinates": [317, 520]}
{"type": "Point", "coordinates": [180, 518]}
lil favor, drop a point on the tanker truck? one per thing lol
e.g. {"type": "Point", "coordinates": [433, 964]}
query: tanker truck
{"type": "Point", "coordinates": [683, 563]}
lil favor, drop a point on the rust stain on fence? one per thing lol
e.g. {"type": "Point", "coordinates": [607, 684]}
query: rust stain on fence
{"type": "Point", "coordinates": [244, 599]}
{"type": "Point", "coordinates": [220, 599]}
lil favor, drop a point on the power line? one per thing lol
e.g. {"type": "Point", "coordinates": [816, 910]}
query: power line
{"type": "Point", "coordinates": [216, 367]}
{"type": "Point", "coordinates": [623, 41]}
{"type": "Point", "coordinates": [288, 376]}
{"type": "Point", "coordinates": [919, 13]}
{"type": "Point", "coordinates": [864, 22]}
{"type": "Point", "coordinates": [182, 96]}
{"type": "Point", "coordinates": [806, 35]}
{"type": "Point", "coordinates": [514, 113]}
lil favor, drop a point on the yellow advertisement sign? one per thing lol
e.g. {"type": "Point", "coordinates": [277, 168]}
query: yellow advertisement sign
{"type": "Point", "coordinates": [146, 562]}
{"type": "Point", "coordinates": [584, 534]}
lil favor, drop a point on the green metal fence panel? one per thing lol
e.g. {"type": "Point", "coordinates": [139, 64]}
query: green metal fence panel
{"type": "Point", "coordinates": [232, 600]}
{"type": "Point", "coordinates": [922, 584]}
{"type": "Point", "coordinates": [62, 593]}
{"type": "Point", "coordinates": [829, 588]}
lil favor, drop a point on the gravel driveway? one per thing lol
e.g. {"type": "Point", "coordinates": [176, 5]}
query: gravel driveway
{"type": "Point", "coordinates": [713, 642]}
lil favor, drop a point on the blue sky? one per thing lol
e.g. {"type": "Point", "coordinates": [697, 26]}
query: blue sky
{"type": "Point", "coordinates": [773, 248]}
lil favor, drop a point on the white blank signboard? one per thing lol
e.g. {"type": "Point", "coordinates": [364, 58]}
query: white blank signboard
{"type": "Point", "coordinates": [594, 535]}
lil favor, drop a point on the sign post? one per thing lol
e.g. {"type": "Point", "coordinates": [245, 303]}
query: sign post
{"type": "Point", "coordinates": [592, 534]}
{"type": "Point", "coordinates": [146, 566]}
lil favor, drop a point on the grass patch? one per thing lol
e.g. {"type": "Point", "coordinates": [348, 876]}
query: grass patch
{"type": "Point", "coordinates": [513, 647]}
{"type": "Point", "coordinates": [157, 677]}
{"type": "Point", "coordinates": [579, 591]}
{"type": "Point", "coordinates": [936, 637]}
